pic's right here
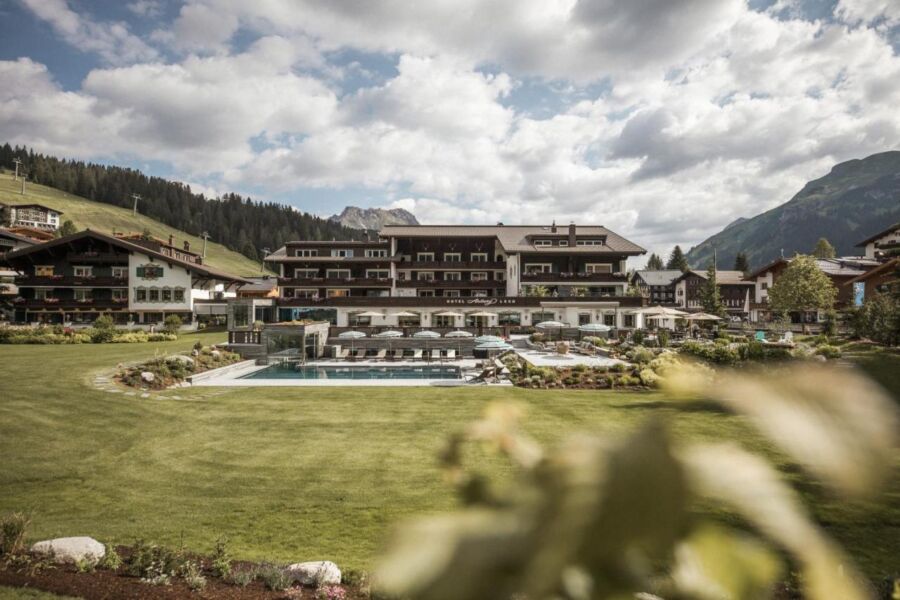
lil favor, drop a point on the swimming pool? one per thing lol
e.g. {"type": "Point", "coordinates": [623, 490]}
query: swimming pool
{"type": "Point", "coordinates": [288, 371]}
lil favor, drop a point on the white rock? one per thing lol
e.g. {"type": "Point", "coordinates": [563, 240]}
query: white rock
{"type": "Point", "coordinates": [71, 549]}
{"type": "Point", "coordinates": [215, 354]}
{"type": "Point", "coordinates": [315, 572]}
{"type": "Point", "coordinates": [176, 358]}
{"type": "Point", "coordinates": [195, 352]}
{"type": "Point", "coordinates": [148, 376]}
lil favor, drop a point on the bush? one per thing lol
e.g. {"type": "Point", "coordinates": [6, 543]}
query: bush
{"type": "Point", "coordinates": [648, 377]}
{"type": "Point", "coordinates": [13, 528]}
{"type": "Point", "coordinates": [274, 578]}
{"type": "Point", "coordinates": [830, 352]}
{"type": "Point", "coordinates": [717, 353]}
{"type": "Point", "coordinates": [172, 324]}
{"type": "Point", "coordinates": [193, 576]}
{"type": "Point", "coordinates": [221, 560]}
{"type": "Point", "coordinates": [241, 577]}
{"type": "Point", "coordinates": [331, 592]}
{"type": "Point", "coordinates": [102, 335]}
{"type": "Point", "coordinates": [111, 561]}
{"type": "Point", "coordinates": [642, 356]}
{"type": "Point", "coordinates": [198, 345]}
{"type": "Point", "coordinates": [637, 337]}
{"type": "Point", "coordinates": [663, 337]}
{"type": "Point", "coordinates": [104, 322]}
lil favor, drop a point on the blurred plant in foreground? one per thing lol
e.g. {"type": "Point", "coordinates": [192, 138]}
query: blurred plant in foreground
{"type": "Point", "coordinates": [611, 518]}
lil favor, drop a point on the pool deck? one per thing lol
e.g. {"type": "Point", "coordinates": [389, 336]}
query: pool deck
{"type": "Point", "coordinates": [551, 359]}
{"type": "Point", "coordinates": [232, 377]}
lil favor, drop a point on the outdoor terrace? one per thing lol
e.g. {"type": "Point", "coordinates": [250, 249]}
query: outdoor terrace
{"type": "Point", "coordinates": [442, 283]}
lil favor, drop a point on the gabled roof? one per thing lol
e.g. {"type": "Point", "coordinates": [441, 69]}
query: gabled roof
{"type": "Point", "coordinates": [868, 240]}
{"type": "Point", "coordinates": [885, 267]}
{"type": "Point", "coordinates": [836, 267]}
{"type": "Point", "coordinates": [659, 278]}
{"type": "Point", "coordinates": [722, 277]}
{"type": "Point", "coordinates": [130, 247]}
{"type": "Point", "coordinates": [15, 236]}
{"type": "Point", "coordinates": [35, 205]}
{"type": "Point", "coordinates": [518, 238]}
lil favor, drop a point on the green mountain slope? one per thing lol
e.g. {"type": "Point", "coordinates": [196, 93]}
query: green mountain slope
{"type": "Point", "coordinates": [856, 199]}
{"type": "Point", "coordinates": [104, 217]}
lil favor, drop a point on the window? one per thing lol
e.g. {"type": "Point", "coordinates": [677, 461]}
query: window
{"type": "Point", "coordinates": [509, 318]}
{"type": "Point", "coordinates": [451, 293]}
{"type": "Point", "coordinates": [342, 253]}
{"type": "Point", "coordinates": [479, 256]}
{"type": "Point", "coordinates": [629, 320]}
{"type": "Point", "coordinates": [609, 319]}
{"type": "Point", "coordinates": [597, 268]}
{"type": "Point", "coordinates": [83, 271]}
{"type": "Point", "coordinates": [119, 272]}
{"type": "Point", "coordinates": [594, 242]}
{"type": "Point", "coordinates": [538, 268]}
{"type": "Point", "coordinates": [479, 276]}
{"type": "Point", "coordinates": [140, 295]}
{"type": "Point", "coordinates": [166, 295]}
{"type": "Point", "coordinates": [43, 271]}
{"type": "Point", "coordinates": [305, 273]}
{"type": "Point", "coordinates": [499, 276]}
{"type": "Point", "coordinates": [452, 257]}
{"type": "Point", "coordinates": [764, 285]}
{"type": "Point", "coordinates": [178, 295]}
{"type": "Point", "coordinates": [425, 257]}
{"type": "Point", "coordinates": [378, 273]}
{"type": "Point", "coordinates": [357, 321]}
{"type": "Point", "coordinates": [543, 243]}
{"type": "Point", "coordinates": [83, 294]}
{"type": "Point", "coordinates": [426, 293]}
{"type": "Point", "coordinates": [337, 273]}
{"type": "Point", "coordinates": [154, 295]}
{"type": "Point", "coordinates": [377, 253]}
{"type": "Point", "coordinates": [307, 252]}
{"type": "Point", "coordinates": [337, 293]}
{"type": "Point", "coordinates": [541, 316]}
{"type": "Point", "coordinates": [479, 293]}
{"type": "Point", "coordinates": [43, 293]}
{"type": "Point", "coordinates": [453, 276]}
{"type": "Point", "coordinates": [240, 315]}
{"type": "Point", "coordinates": [149, 271]}
{"type": "Point", "coordinates": [304, 293]}
{"type": "Point", "coordinates": [443, 321]}
{"type": "Point", "coordinates": [119, 294]}
{"type": "Point", "coordinates": [584, 318]}
{"type": "Point", "coordinates": [424, 276]}
{"type": "Point", "coordinates": [563, 243]}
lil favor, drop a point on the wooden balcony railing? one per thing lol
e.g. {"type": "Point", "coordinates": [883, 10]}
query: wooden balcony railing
{"type": "Point", "coordinates": [450, 265]}
{"type": "Point", "coordinates": [462, 284]}
{"type": "Point", "coordinates": [70, 281]}
{"type": "Point", "coordinates": [574, 278]}
{"type": "Point", "coordinates": [335, 281]}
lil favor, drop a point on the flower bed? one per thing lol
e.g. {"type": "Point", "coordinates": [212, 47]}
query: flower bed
{"type": "Point", "coordinates": [165, 371]}
{"type": "Point", "coordinates": [57, 334]}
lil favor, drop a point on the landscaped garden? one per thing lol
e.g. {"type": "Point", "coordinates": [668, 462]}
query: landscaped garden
{"type": "Point", "coordinates": [290, 474]}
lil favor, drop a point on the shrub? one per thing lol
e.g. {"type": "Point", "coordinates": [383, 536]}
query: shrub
{"type": "Point", "coordinates": [111, 561]}
{"type": "Point", "coordinates": [172, 324]}
{"type": "Point", "coordinates": [86, 564]}
{"type": "Point", "coordinates": [830, 352]}
{"type": "Point", "coordinates": [628, 381]}
{"type": "Point", "coordinates": [579, 368]}
{"type": "Point", "coordinates": [331, 592]}
{"type": "Point", "coordinates": [274, 578]}
{"type": "Point", "coordinates": [104, 322]}
{"type": "Point", "coordinates": [161, 337]}
{"type": "Point", "coordinates": [638, 337]}
{"type": "Point", "coordinates": [13, 528]}
{"type": "Point", "coordinates": [102, 335]}
{"type": "Point", "coordinates": [642, 356]}
{"type": "Point", "coordinates": [193, 576]}
{"type": "Point", "coordinates": [663, 337]}
{"type": "Point", "coordinates": [241, 577]}
{"type": "Point", "coordinates": [221, 560]}
{"type": "Point", "coordinates": [648, 377]}
{"type": "Point", "coordinates": [198, 345]}
{"type": "Point", "coordinates": [620, 367]}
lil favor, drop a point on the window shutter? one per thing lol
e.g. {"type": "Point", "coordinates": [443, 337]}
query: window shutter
{"type": "Point", "coordinates": [140, 271]}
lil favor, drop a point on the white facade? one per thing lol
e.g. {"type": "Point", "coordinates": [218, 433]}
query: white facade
{"type": "Point", "coordinates": [149, 293]}
{"type": "Point", "coordinates": [892, 237]}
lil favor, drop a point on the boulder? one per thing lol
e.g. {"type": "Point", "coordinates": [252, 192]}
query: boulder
{"type": "Point", "coordinates": [71, 549]}
{"type": "Point", "coordinates": [215, 354]}
{"type": "Point", "coordinates": [148, 376]}
{"type": "Point", "coordinates": [180, 358]}
{"type": "Point", "coordinates": [195, 352]}
{"type": "Point", "coordinates": [320, 572]}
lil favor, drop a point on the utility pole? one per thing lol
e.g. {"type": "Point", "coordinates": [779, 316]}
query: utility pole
{"type": "Point", "coordinates": [262, 263]}
{"type": "Point", "coordinates": [135, 197]}
{"type": "Point", "coordinates": [24, 178]}
{"type": "Point", "coordinates": [18, 163]}
{"type": "Point", "coordinates": [205, 236]}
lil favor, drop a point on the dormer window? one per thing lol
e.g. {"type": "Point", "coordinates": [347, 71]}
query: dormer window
{"type": "Point", "coordinates": [342, 253]}
{"type": "Point", "coordinates": [543, 243]}
{"type": "Point", "coordinates": [307, 252]}
{"type": "Point", "coordinates": [593, 242]}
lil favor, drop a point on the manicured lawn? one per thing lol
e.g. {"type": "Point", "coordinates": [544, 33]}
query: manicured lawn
{"type": "Point", "coordinates": [7, 593]}
{"type": "Point", "coordinates": [294, 474]}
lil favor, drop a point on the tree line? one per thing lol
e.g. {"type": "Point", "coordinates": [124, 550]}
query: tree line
{"type": "Point", "coordinates": [239, 223]}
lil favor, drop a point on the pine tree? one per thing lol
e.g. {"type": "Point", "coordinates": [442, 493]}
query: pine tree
{"type": "Point", "coordinates": [710, 298]}
{"type": "Point", "coordinates": [67, 228]}
{"type": "Point", "coordinates": [824, 249]}
{"type": "Point", "coordinates": [677, 261]}
{"type": "Point", "coordinates": [741, 264]}
{"type": "Point", "coordinates": [654, 263]}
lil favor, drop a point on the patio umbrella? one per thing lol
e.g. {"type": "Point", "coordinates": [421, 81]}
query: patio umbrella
{"type": "Point", "coordinates": [489, 339]}
{"type": "Point", "coordinates": [426, 334]}
{"type": "Point", "coordinates": [493, 347]}
{"type": "Point", "coordinates": [550, 325]}
{"type": "Point", "coordinates": [701, 317]}
{"type": "Point", "coordinates": [664, 311]}
{"type": "Point", "coordinates": [404, 313]}
{"type": "Point", "coordinates": [370, 313]}
{"type": "Point", "coordinates": [459, 334]}
{"type": "Point", "coordinates": [352, 336]}
{"type": "Point", "coordinates": [389, 335]}
{"type": "Point", "coordinates": [594, 328]}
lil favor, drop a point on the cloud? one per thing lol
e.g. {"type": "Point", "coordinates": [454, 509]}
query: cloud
{"type": "Point", "coordinates": [146, 8]}
{"type": "Point", "coordinates": [113, 42]}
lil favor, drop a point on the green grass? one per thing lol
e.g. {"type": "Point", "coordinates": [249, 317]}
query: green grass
{"type": "Point", "coordinates": [297, 473]}
{"type": "Point", "coordinates": [105, 217]}
{"type": "Point", "coordinates": [8, 593]}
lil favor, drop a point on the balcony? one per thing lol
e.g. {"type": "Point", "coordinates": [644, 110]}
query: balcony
{"type": "Point", "coordinates": [335, 282]}
{"type": "Point", "coordinates": [70, 281]}
{"type": "Point", "coordinates": [98, 257]}
{"type": "Point", "coordinates": [574, 278]}
{"type": "Point", "coordinates": [70, 304]}
{"type": "Point", "coordinates": [462, 284]}
{"type": "Point", "coordinates": [447, 265]}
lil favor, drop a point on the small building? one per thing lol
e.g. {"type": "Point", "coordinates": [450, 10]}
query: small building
{"type": "Point", "coordinates": [878, 244]}
{"type": "Point", "coordinates": [657, 286]}
{"type": "Point", "coordinates": [77, 278]}
{"type": "Point", "coordinates": [736, 293]}
{"type": "Point", "coordinates": [10, 241]}
{"type": "Point", "coordinates": [259, 287]}
{"type": "Point", "coordinates": [36, 216]}
{"type": "Point", "coordinates": [879, 280]}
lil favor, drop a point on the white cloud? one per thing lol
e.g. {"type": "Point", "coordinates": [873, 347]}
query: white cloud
{"type": "Point", "coordinates": [855, 12]}
{"type": "Point", "coordinates": [113, 42]}
{"type": "Point", "coordinates": [146, 8]}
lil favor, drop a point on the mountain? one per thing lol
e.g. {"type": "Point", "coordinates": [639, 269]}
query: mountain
{"type": "Point", "coordinates": [86, 213]}
{"type": "Point", "coordinates": [236, 222]}
{"type": "Point", "coordinates": [856, 199]}
{"type": "Point", "coordinates": [373, 218]}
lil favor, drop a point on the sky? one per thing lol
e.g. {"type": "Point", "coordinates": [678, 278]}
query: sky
{"type": "Point", "coordinates": [663, 120]}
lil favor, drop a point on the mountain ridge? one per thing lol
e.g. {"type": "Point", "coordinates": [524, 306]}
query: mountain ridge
{"type": "Point", "coordinates": [355, 217]}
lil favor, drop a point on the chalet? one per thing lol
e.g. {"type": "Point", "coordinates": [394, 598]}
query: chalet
{"type": "Point", "coordinates": [878, 245]}
{"type": "Point", "coordinates": [735, 292]}
{"type": "Point", "coordinates": [879, 280]}
{"type": "Point", "coordinates": [657, 286]}
{"type": "Point", "coordinates": [447, 276]}
{"type": "Point", "coordinates": [37, 216]}
{"type": "Point", "coordinates": [10, 241]}
{"type": "Point", "coordinates": [76, 278]}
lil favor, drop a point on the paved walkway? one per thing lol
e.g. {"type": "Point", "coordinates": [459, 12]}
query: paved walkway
{"type": "Point", "coordinates": [553, 359]}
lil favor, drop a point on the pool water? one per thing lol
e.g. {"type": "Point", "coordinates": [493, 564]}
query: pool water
{"type": "Point", "coordinates": [289, 371]}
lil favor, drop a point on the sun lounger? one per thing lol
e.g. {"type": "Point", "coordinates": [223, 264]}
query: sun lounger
{"type": "Point", "coordinates": [417, 355]}
{"type": "Point", "coordinates": [436, 354]}
{"type": "Point", "coordinates": [451, 354]}
{"type": "Point", "coordinates": [760, 336]}
{"type": "Point", "coordinates": [382, 353]}
{"type": "Point", "coordinates": [398, 354]}
{"type": "Point", "coordinates": [344, 353]}
{"type": "Point", "coordinates": [361, 353]}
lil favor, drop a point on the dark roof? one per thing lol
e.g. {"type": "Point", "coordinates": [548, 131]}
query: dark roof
{"type": "Point", "coordinates": [260, 284]}
{"type": "Point", "coordinates": [518, 238]}
{"type": "Point", "coordinates": [30, 204]}
{"type": "Point", "coordinates": [767, 267]}
{"type": "Point", "coordinates": [879, 234]}
{"type": "Point", "coordinates": [722, 277]}
{"type": "Point", "coordinates": [15, 236]}
{"type": "Point", "coordinates": [891, 264]}
{"type": "Point", "coordinates": [129, 246]}
{"type": "Point", "coordinates": [839, 267]}
{"type": "Point", "coordinates": [659, 278]}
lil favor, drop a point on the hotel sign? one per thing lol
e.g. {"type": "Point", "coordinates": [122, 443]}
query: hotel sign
{"type": "Point", "coordinates": [483, 301]}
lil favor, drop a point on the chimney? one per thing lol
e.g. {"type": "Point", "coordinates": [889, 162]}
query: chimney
{"type": "Point", "coordinates": [171, 239]}
{"type": "Point", "coordinates": [572, 234]}
{"type": "Point", "coordinates": [553, 227]}
{"type": "Point", "coordinates": [187, 246]}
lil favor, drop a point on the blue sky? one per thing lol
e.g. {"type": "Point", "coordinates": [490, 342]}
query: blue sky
{"type": "Point", "coordinates": [663, 120]}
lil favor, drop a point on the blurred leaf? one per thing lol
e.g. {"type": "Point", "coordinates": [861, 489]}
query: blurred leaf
{"type": "Point", "coordinates": [717, 564]}
{"type": "Point", "coordinates": [753, 489]}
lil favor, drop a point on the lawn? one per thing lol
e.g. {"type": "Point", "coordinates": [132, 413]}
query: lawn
{"type": "Point", "coordinates": [295, 474]}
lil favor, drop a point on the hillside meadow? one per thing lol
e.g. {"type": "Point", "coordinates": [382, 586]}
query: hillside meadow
{"type": "Point", "coordinates": [300, 474]}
